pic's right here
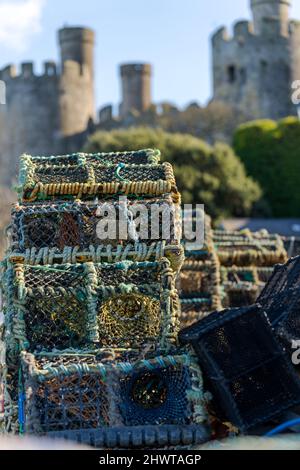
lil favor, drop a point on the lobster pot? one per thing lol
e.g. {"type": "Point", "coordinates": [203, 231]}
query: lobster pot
{"type": "Point", "coordinates": [284, 277]}
{"type": "Point", "coordinates": [77, 305]}
{"type": "Point", "coordinates": [81, 224]}
{"type": "Point", "coordinates": [285, 314]}
{"type": "Point", "coordinates": [249, 249]}
{"type": "Point", "coordinates": [197, 222]}
{"type": "Point", "coordinates": [89, 176]}
{"type": "Point", "coordinates": [139, 157]}
{"type": "Point", "coordinates": [193, 310]}
{"type": "Point", "coordinates": [199, 288]}
{"type": "Point", "coordinates": [280, 299]}
{"type": "Point", "coordinates": [105, 402]}
{"type": "Point", "coordinates": [249, 373]}
{"type": "Point", "coordinates": [242, 285]}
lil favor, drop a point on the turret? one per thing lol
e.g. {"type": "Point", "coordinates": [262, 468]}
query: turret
{"type": "Point", "coordinates": [271, 11]}
{"type": "Point", "coordinates": [136, 88]}
{"type": "Point", "coordinates": [77, 44]}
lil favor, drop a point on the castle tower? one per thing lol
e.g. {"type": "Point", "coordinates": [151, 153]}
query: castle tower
{"type": "Point", "coordinates": [77, 45]}
{"type": "Point", "coordinates": [265, 11]}
{"type": "Point", "coordinates": [77, 80]}
{"type": "Point", "coordinates": [253, 69]}
{"type": "Point", "coordinates": [51, 112]}
{"type": "Point", "coordinates": [136, 88]}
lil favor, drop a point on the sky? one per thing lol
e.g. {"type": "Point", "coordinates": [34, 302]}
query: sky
{"type": "Point", "coordinates": [173, 35]}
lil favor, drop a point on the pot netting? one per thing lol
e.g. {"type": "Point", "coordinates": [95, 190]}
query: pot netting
{"type": "Point", "coordinates": [121, 304]}
{"type": "Point", "coordinates": [81, 224]}
{"type": "Point", "coordinates": [284, 277]}
{"type": "Point", "coordinates": [156, 396]}
{"type": "Point", "coordinates": [90, 177]}
{"type": "Point", "coordinates": [141, 157]}
{"type": "Point", "coordinates": [75, 402]}
{"type": "Point", "coordinates": [129, 318]}
{"type": "Point", "coordinates": [55, 307]}
{"type": "Point", "coordinates": [83, 393]}
{"type": "Point", "coordinates": [248, 371]}
{"type": "Point", "coordinates": [247, 248]}
{"type": "Point", "coordinates": [280, 299]}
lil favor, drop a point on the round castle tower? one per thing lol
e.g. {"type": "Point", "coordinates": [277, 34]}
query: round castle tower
{"type": "Point", "coordinates": [47, 113]}
{"type": "Point", "coordinates": [254, 68]}
{"type": "Point", "coordinates": [271, 10]}
{"type": "Point", "coordinates": [136, 88]}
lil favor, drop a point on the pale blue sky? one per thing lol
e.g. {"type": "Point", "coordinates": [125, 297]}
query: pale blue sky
{"type": "Point", "coordinates": [173, 35]}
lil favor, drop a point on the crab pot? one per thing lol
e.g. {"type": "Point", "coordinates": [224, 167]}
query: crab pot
{"type": "Point", "coordinates": [249, 248]}
{"type": "Point", "coordinates": [249, 373]}
{"type": "Point", "coordinates": [280, 299]}
{"type": "Point", "coordinates": [88, 176]}
{"type": "Point", "coordinates": [138, 157]}
{"type": "Point", "coordinates": [240, 286]}
{"type": "Point", "coordinates": [104, 401]}
{"type": "Point", "coordinates": [193, 310]}
{"type": "Point", "coordinates": [123, 304]}
{"type": "Point", "coordinates": [284, 310]}
{"type": "Point", "coordinates": [81, 224]}
{"type": "Point", "coordinates": [199, 287]}
{"type": "Point", "coordinates": [284, 277]}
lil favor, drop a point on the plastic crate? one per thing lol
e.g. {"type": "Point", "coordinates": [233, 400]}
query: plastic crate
{"type": "Point", "coordinates": [281, 300]}
{"type": "Point", "coordinates": [249, 373]}
{"type": "Point", "coordinates": [284, 277]}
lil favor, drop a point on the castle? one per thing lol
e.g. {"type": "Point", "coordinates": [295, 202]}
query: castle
{"type": "Point", "coordinates": [55, 112]}
{"type": "Point", "coordinates": [252, 71]}
{"type": "Point", "coordinates": [255, 68]}
{"type": "Point", "coordinates": [52, 112]}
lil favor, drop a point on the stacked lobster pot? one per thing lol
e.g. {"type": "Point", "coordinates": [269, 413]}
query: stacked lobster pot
{"type": "Point", "coordinates": [91, 308]}
{"type": "Point", "coordinates": [199, 280]}
{"type": "Point", "coordinates": [247, 260]}
{"type": "Point", "coordinates": [229, 270]}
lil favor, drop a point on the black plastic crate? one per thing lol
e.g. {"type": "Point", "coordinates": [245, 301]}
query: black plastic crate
{"type": "Point", "coordinates": [281, 301]}
{"type": "Point", "coordinates": [249, 373]}
{"type": "Point", "coordinates": [284, 277]}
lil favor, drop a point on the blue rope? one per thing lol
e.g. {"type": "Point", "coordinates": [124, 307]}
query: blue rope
{"type": "Point", "coordinates": [283, 427]}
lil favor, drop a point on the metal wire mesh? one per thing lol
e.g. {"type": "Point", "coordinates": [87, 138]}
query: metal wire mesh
{"type": "Point", "coordinates": [248, 371]}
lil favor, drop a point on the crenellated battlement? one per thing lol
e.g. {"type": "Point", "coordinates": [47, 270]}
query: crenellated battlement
{"type": "Point", "coordinates": [221, 35]}
{"type": "Point", "coordinates": [241, 29]}
{"type": "Point", "coordinates": [26, 71]}
{"type": "Point", "coordinates": [49, 107]}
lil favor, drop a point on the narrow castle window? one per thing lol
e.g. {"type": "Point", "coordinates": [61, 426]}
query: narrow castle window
{"type": "Point", "coordinates": [231, 72]}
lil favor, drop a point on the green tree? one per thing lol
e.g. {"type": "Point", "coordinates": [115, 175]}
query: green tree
{"type": "Point", "coordinates": [213, 176]}
{"type": "Point", "coordinates": [270, 152]}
